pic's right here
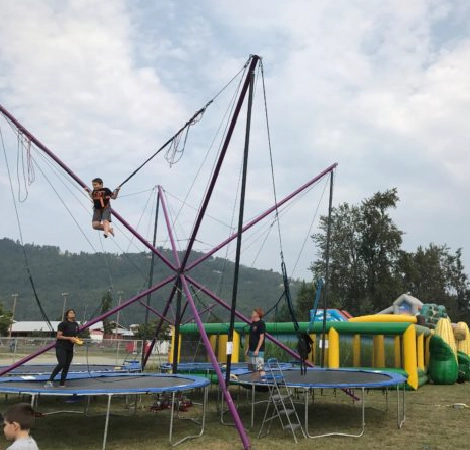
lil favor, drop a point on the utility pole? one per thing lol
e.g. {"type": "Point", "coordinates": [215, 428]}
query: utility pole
{"type": "Point", "coordinates": [117, 317]}
{"type": "Point", "coordinates": [15, 298]}
{"type": "Point", "coordinates": [84, 315]}
{"type": "Point", "coordinates": [64, 295]}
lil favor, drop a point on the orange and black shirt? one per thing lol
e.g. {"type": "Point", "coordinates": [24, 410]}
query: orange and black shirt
{"type": "Point", "coordinates": [101, 198]}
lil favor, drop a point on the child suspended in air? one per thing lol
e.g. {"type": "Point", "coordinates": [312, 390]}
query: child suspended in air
{"type": "Point", "coordinates": [101, 206]}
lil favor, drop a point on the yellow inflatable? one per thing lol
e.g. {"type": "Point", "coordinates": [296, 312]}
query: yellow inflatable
{"type": "Point", "coordinates": [385, 318]}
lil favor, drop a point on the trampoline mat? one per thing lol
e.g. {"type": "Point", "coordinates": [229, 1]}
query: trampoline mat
{"type": "Point", "coordinates": [38, 369]}
{"type": "Point", "coordinates": [332, 378]}
{"type": "Point", "coordinates": [104, 384]}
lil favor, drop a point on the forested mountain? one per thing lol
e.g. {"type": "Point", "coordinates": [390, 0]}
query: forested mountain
{"type": "Point", "coordinates": [368, 270]}
{"type": "Point", "coordinates": [81, 280]}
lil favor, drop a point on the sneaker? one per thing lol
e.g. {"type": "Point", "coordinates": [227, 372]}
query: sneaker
{"type": "Point", "coordinates": [48, 384]}
{"type": "Point", "coordinates": [105, 235]}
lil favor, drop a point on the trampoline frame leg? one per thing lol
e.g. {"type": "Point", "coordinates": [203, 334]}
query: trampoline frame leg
{"type": "Point", "coordinates": [106, 423]}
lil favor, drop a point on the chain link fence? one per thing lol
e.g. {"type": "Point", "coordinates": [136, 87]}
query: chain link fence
{"type": "Point", "coordinates": [106, 351]}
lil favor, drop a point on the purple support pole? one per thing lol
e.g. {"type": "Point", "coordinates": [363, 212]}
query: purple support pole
{"type": "Point", "coordinates": [69, 171]}
{"type": "Point", "coordinates": [41, 146]}
{"type": "Point", "coordinates": [205, 338]}
{"type": "Point", "coordinates": [245, 319]}
{"type": "Point", "coordinates": [145, 242]}
{"type": "Point", "coordinates": [200, 313]}
{"type": "Point", "coordinates": [262, 216]}
{"type": "Point", "coordinates": [215, 365]}
{"type": "Point", "coordinates": [88, 324]}
{"type": "Point", "coordinates": [176, 256]}
{"type": "Point", "coordinates": [129, 302]}
{"type": "Point", "coordinates": [165, 311]}
{"type": "Point", "coordinates": [169, 226]}
{"type": "Point", "coordinates": [155, 312]}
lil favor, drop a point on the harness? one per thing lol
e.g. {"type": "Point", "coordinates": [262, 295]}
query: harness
{"type": "Point", "coordinates": [304, 341]}
{"type": "Point", "coordinates": [100, 196]}
{"type": "Point", "coordinates": [304, 347]}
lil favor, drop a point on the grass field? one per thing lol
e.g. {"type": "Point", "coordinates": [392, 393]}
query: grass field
{"type": "Point", "coordinates": [432, 422]}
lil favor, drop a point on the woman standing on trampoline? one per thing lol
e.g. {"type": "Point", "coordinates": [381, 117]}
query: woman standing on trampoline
{"type": "Point", "coordinates": [255, 347]}
{"type": "Point", "coordinates": [67, 333]}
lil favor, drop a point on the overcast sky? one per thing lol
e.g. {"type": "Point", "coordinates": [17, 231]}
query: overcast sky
{"type": "Point", "coordinates": [380, 87]}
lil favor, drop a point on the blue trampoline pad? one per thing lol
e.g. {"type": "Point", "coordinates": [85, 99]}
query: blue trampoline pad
{"type": "Point", "coordinates": [104, 384]}
{"type": "Point", "coordinates": [41, 369]}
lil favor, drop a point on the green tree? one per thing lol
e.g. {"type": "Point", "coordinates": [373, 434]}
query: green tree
{"type": "Point", "coordinates": [434, 275]}
{"type": "Point", "coordinates": [106, 303]}
{"type": "Point", "coordinates": [5, 321]}
{"type": "Point", "coordinates": [460, 284]}
{"type": "Point", "coordinates": [364, 254]}
{"type": "Point", "coordinates": [147, 331]}
{"type": "Point", "coordinates": [427, 277]}
{"type": "Point", "coordinates": [368, 269]}
{"type": "Point", "coordinates": [380, 249]}
{"type": "Point", "coordinates": [346, 268]}
{"type": "Point", "coordinates": [304, 301]}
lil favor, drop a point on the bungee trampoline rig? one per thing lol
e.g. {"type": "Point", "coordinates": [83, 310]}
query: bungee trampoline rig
{"type": "Point", "coordinates": [180, 282]}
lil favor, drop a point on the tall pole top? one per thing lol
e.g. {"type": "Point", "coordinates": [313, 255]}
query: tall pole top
{"type": "Point", "coordinates": [14, 297]}
{"type": "Point", "coordinates": [64, 295]}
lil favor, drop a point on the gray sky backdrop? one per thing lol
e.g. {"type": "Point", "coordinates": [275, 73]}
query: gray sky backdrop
{"type": "Point", "coordinates": [381, 87]}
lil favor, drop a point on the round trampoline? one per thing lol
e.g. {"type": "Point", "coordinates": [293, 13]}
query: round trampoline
{"type": "Point", "coordinates": [316, 378]}
{"type": "Point", "coordinates": [348, 380]}
{"type": "Point", "coordinates": [111, 384]}
{"type": "Point", "coordinates": [43, 369]}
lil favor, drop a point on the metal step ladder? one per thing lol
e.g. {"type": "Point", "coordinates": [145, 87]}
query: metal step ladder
{"type": "Point", "coordinates": [280, 404]}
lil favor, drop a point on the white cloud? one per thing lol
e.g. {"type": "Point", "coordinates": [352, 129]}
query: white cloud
{"type": "Point", "coordinates": [379, 87]}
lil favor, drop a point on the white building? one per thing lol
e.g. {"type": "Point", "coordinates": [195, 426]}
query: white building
{"type": "Point", "coordinates": [41, 327]}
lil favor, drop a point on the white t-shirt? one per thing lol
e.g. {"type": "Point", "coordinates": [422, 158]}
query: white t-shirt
{"type": "Point", "coordinates": [24, 444]}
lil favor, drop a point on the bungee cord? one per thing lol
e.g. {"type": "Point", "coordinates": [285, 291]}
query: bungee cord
{"type": "Point", "coordinates": [175, 152]}
{"type": "Point", "coordinates": [25, 256]}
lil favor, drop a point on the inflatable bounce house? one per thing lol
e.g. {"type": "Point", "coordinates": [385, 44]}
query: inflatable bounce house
{"type": "Point", "coordinates": [416, 339]}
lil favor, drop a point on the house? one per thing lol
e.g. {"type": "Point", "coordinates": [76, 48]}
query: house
{"type": "Point", "coordinates": [41, 328]}
{"type": "Point", "coordinates": [117, 331]}
{"type": "Point", "coordinates": [27, 328]}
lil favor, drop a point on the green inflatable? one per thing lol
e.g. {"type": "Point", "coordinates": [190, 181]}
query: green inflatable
{"type": "Point", "coordinates": [443, 367]}
{"type": "Point", "coordinates": [464, 367]}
